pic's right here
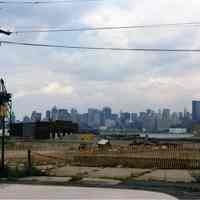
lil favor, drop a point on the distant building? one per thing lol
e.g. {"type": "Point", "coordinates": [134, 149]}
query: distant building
{"type": "Point", "coordinates": [196, 111]}
{"type": "Point", "coordinates": [35, 116]}
{"type": "Point", "coordinates": [94, 117]}
{"type": "Point", "coordinates": [63, 115]}
{"type": "Point", "coordinates": [48, 115]}
{"type": "Point", "coordinates": [163, 125]}
{"type": "Point", "coordinates": [74, 115]}
{"type": "Point", "coordinates": [178, 130]}
{"type": "Point", "coordinates": [26, 119]}
{"type": "Point", "coordinates": [84, 119]}
{"type": "Point", "coordinates": [54, 113]}
{"type": "Point", "coordinates": [107, 113]}
{"type": "Point", "coordinates": [166, 114]}
{"type": "Point", "coordinates": [125, 117]}
{"type": "Point", "coordinates": [149, 124]}
{"type": "Point", "coordinates": [134, 117]}
{"type": "Point", "coordinates": [109, 123]}
{"type": "Point", "coordinates": [44, 130]}
{"type": "Point", "coordinates": [175, 119]}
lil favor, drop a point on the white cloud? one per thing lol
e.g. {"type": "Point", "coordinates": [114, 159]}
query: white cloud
{"type": "Point", "coordinates": [130, 81]}
{"type": "Point", "coordinates": [58, 88]}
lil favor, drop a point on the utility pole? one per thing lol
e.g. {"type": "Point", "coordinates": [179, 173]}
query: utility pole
{"type": "Point", "coordinates": [3, 144]}
{"type": "Point", "coordinates": [5, 101]}
{"type": "Point", "coordinates": [5, 105]}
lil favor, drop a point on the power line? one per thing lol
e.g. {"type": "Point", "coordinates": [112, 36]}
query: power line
{"type": "Point", "coordinates": [105, 28]}
{"type": "Point", "coordinates": [45, 2]}
{"type": "Point", "coordinates": [101, 48]}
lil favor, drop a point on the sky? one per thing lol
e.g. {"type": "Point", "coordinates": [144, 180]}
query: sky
{"type": "Point", "coordinates": [40, 78]}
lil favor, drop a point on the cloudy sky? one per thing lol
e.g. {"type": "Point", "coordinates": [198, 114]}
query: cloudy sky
{"type": "Point", "coordinates": [131, 81]}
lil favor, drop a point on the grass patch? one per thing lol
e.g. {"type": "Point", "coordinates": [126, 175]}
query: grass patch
{"type": "Point", "coordinates": [76, 178]}
{"type": "Point", "coordinates": [19, 172]}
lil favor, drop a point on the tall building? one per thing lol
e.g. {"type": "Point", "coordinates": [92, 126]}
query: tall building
{"type": "Point", "coordinates": [48, 115]}
{"type": "Point", "coordinates": [196, 111]}
{"type": "Point", "coordinates": [175, 119]}
{"type": "Point", "coordinates": [74, 115]}
{"type": "Point", "coordinates": [94, 117]}
{"type": "Point", "coordinates": [107, 112]}
{"type": "Point", "coordinates": [35, 116]}
{"type": "Point", "coordinates": [166, 114]}
{"type": "Point", "coordinates": [134, 117]}
{"type": "Point", "coordinates": [54, 113]}
{"type": "Point", "coordinates": [63, 115]}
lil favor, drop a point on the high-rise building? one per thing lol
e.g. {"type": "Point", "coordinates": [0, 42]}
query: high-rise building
{"type": "Point", "coordinates": [175, 119]}
{"type": "Point", "coordinates": [107, 112]}
{"type": "Point", "coordinates": [35, 116]}
{"type": "Point", "coordinates": [196, 111]}
{"type": "Point", "coordinates": [48, 115]}
{"type": "Point", "coordinates": [94, 117]}
{"type": "Point", "coordinates": [74, 115]}
{"type": "Point", "coordinates": [54, 113]}
{"type": "Point", "coordinates": [166, 114]}
{"type": "Point", "coordinates": [134, 117]}
{"type": "Point", "coordinates": [63, 115]}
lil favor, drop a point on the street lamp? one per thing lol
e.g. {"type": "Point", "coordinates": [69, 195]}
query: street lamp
{"type": "Point", "coordinates": [5, 102]}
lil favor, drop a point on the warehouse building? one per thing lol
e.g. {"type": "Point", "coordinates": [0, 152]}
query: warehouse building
{"type": "Point", "coordinates": [44, 130]}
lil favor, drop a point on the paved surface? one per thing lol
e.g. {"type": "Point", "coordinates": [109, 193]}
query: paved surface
{"type": "Point", "coordinates": [16, 191]}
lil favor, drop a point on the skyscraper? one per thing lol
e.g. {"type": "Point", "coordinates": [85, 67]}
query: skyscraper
{"type": "Point", "coordinates": [166, 114]}
{"type": "Point", "coordinates": [54, 113]}
{"type": "Point", "coordinates": [35, 116]}
{"type": "Point", "coordinates": [48, 115]}
{"type": "Point", "coordinates": [107, 113]}
{"type": "Point", "coordinates": [196, 111]}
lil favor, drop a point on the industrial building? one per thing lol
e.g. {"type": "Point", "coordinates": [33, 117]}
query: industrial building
{"type": "Point", "coordinates": [44, 130]}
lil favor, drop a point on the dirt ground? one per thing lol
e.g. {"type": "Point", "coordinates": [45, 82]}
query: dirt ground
{"type": "Point", "coordinates": [128, 173]}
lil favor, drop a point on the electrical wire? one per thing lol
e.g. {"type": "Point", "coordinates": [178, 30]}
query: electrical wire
{"type": "Point", "coordinates": [100, 48]}
{"type": "Point", "coordinates": [46, 2]}
{"type": "Point", "coordinates": [105, 28]}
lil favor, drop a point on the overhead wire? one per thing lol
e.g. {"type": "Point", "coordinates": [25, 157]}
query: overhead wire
{"type": "Point", "coordinates": [104, 28]}
{"type": "Point", "coordinates": [45, 2]}
{"type": "Point", "coordinates": [99, 48]}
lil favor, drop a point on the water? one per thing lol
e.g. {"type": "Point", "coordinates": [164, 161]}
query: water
{"type": "Point", "coordinates": [154, 135]}
{"type": "Point", "coordinates": [167, 135]}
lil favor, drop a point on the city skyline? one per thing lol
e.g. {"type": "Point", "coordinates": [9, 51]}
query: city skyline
{"type": "Point", "coordinates": [101, 108]}
{"type": "Point", "coordinates": [105, 119]}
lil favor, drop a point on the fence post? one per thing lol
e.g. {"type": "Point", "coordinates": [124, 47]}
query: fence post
{"type": "Point", "coordinates": [29, 162]}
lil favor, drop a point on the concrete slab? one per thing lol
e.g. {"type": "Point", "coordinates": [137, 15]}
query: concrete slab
{"type": "Point", "coordinates": [169, 176]}
{"type": "Point", "coordinates": [100, 181]}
